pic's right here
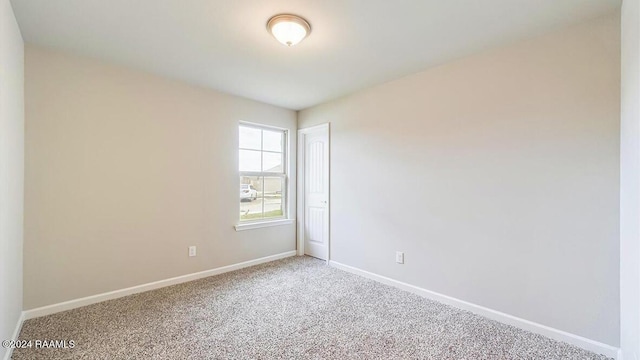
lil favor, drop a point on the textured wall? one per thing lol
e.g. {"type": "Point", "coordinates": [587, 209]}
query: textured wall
{"type": "Point", "coordinates": [125, 170]}
{"type": "Point", "coordinates": [11, 170]}
{"type": "Point", "coordinates": [497, 175]}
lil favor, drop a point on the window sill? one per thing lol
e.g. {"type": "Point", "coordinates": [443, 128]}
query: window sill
{"type": "Point", "coordinates": [262, 224]}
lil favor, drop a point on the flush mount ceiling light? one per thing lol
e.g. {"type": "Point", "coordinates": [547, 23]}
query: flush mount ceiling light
{"type": "Point", "coordinates": [288, 29]}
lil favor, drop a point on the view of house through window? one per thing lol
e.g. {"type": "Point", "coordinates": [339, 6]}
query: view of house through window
{"type": "Point", "coordinates": [262, 172]}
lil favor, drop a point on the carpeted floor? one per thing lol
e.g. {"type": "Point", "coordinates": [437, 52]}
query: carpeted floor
{"type": "Point", "coordinates": [296, 308]}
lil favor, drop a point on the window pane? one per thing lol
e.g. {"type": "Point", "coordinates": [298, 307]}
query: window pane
{"type": "Point", "coordinates": [251, 197]}
{"type": "Point", "coordinates": [262, 152]}
{"type": "Point", "coordinates": [250, 160]}
{"type": "Point", "coordinates": [250, 138]}
{"type": "Point", "coordinates": [272, 162]}
{"type": "Point", "coordinates": [273, 187]}
{"type": "Point", "coordinates": [272, 140]}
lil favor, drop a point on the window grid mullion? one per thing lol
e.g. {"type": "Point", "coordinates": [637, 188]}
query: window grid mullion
{"type": "Point", "coordinates": [262, 167]}
{"type": "Point", "coordinates": [268, 151]}
{"type": "Point", "coordinates": [257, 173]}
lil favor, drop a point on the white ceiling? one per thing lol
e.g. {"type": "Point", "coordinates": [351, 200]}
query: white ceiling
{"type": "Point", "coordinates": [224, 45]}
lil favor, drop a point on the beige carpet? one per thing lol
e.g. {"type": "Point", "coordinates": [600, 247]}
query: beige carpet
{"type": "Point", "coordinates": [297, 308]}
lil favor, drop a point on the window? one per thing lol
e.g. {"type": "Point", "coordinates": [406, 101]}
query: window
{"type": "Point", "coordinates": [263, 174]}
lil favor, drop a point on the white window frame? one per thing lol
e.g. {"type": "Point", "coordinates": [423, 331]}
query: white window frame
{"type": "Point", "coordinates": [273, 221]}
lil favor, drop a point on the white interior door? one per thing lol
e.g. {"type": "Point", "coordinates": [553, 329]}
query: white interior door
{"type": "Point", "coordinates": [316, 191]}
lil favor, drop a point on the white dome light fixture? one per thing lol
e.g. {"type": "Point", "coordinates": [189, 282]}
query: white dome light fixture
{"type": "Point", "coordinates": [288, 29]}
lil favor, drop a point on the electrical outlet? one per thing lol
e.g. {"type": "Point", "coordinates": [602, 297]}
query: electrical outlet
{"type": "Point", "coordinates": [399, 257]}
{"type": "Point", "coordinates": [192, 251]}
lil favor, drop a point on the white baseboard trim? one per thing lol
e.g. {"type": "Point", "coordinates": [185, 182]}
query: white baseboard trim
{"type": "Point", "coordinates": [72, 304]}
{"type": "Point", "coordinates": [579, 341]}
{"type": "Point", "coordinates": [14, 336]}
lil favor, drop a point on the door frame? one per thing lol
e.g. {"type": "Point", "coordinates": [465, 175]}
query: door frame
{"type": "Point", "coordinates": [302, 133]}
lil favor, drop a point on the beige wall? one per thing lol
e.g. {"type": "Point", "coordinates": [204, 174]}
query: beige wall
{"type": "Point", "coordinates": [124, 171]}
{"type": "Point", "coordinates": [11, 170]}
{"type": "Point", "coordinates": [497, 175]}
{"type": "Point", "coordinates": [630, 182]}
